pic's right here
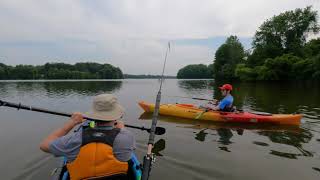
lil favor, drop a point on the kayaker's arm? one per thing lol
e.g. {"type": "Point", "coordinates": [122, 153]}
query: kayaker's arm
{"type": "Point", "coordinates": [216, 108]}
{"type": "Point", "coordinates": [211, 105]}
{"type": "Point", "coordinates": [76, 118]}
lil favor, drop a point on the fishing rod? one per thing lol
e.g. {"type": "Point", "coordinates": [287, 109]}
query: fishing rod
{"type": "Point", "coordinates": [158, 130]}
{"type": "Point", "coordinates": [149, 157]}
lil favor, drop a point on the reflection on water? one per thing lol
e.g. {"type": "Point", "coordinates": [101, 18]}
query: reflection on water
{"type": "Point", "coordinates": [61, 88]}
{"type": "Point", "coordinates": [225, 136]}
{"type": "Point", "coordinates": [194, 84]}
{"type": "Point", "coordinates": [159, 146]}
{"type": "Point", "coordinates": [316, 169]}
{"type": "Point", "coordinates": [190, 149]}
{"type": "Point", "coordinates": [260, 143]}
{"type": "Point", "coordinates": [287, 135]}
{"type": "Point", "coordinates": [196, 88]}
{"type": "Point", "coordinates": [32, 167]}
{"type": "Point", "coordinates": [82, 88]}
{"type": "Point", "coordinates": [292, 139]}
{"type": "Point", "coordinates": [201, 135]}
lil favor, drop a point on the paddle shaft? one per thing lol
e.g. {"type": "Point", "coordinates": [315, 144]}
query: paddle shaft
{"type": "Point", "coordinates": [36, 109]}
{"type": "Point", "coordinates": [195, 98]}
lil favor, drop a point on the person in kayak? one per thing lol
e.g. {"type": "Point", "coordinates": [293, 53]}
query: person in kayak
{"type": "Point", "coordinates": [226, 103]}
{"type": "Point", "coordinates": [94, 151]}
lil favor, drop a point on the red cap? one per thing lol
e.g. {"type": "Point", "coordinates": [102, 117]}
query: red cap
{"type": "Point", "coordinates": [226, 87]}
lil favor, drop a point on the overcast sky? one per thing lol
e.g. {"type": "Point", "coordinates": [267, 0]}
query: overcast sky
{"type": "Point", "coordinates": [129, 34]}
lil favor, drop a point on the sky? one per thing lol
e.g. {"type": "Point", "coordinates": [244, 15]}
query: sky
{"type": "Point", "coordinates": [130, 34]}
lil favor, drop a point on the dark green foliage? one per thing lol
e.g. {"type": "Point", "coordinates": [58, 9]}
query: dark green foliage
{"type": "Point", "coordinates": [283, 34]}
{"type": "Point", "coordinates": [227, 57]}
{"type": "Point", "coordinates": [280, 51]}
{"type": "Point", "coordinates": [285, 67]}
{"type": "Point", "coordinates": [61, 71]}
{"type": "Point", "coordinates": [303, 69]}
{"type": "Point", "coordinates": [281, 68]}
{"type": "Point", "coordinates": [210, 70]}
{"type": "Point", "coordinates": [312, 48]}
{"type": "Point", "coordinates": [316, 62]}
{"type": "Point", "coordinates": [195, 71]}
{"type": "Point", "coordinates": [245, 73]}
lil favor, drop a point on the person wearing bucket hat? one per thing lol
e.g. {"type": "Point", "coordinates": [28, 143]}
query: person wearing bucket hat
{"type": "Point", "coordinates": [106, 108]}
{"type": "Point", "coordinates": [97, 148]}
{"type": "Point", "coordinates": [226, 103]}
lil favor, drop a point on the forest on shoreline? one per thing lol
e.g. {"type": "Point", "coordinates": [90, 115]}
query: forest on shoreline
{"type": "Point", "coordinates": [88, 70]}
{"type": "Point", "coordinates": [280, 51]}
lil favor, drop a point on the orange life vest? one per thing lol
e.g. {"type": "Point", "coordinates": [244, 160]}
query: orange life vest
{"type": "Point", "coordinates": [96, 158]}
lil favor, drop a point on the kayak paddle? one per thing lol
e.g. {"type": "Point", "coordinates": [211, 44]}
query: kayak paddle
{"type": "Point", "coordinates": [195, 98]}
{"type": "Point", "coordinates": [158, 130]}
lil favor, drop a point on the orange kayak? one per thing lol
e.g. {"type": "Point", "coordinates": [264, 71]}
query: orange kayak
{"type": "Point", "coordinates": [190, 111]}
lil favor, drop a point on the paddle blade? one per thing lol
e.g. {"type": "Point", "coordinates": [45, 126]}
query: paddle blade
{"type": "Point", "coordinates": [159, 130]}
{"type": "Point", "coordinates": [159, 146]}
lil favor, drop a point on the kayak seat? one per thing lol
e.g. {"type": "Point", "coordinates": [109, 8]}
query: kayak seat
{"type": "Point", "coordinates": [230, 109]}
{"type": "Point", "coordinates": [113, 177]}
{"type": "Point", "coordinates": [65, 176]}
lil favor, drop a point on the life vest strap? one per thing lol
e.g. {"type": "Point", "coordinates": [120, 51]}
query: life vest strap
{"type": "Point", "coordinates": [90, 135]}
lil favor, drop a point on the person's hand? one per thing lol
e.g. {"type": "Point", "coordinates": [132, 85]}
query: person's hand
{"type": "Point", "coordinates": [76, 118]}
{"type": "Point", "coordinates": [119, 124]}
{"type": "Point", "coordinates": [214, 102]}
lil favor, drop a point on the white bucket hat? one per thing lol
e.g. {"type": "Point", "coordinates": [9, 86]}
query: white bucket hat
{"type": "Point", "coordinates": [106, 107]}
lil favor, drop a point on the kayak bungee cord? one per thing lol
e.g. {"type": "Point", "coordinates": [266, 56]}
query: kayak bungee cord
{"type": "Point", "coordinates": [149, 157]}
{"type": "Point", "coordinates": [158, 130]}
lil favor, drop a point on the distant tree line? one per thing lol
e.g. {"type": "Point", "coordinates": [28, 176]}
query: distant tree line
{"type": "Point", "coordinates": [88, 70]}
{"type": "Point", "coordinates": [195, 71]}
{"type": "Point", "coordinates": [148, 76]}
{"type": "Point", "coordinates": [280, 51]}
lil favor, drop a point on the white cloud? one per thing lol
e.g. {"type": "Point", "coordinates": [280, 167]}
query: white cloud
{"type": "Point", "coordinates": [127, 33]}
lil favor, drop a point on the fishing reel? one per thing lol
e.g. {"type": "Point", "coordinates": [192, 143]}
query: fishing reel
{"type": "Point", "coordinates": [148, 161]}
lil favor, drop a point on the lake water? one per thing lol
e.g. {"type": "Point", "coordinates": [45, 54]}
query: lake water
{"type": "Point", "coordinates": [190, 149]}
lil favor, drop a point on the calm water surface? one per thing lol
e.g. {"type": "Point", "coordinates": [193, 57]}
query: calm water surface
{"type": "Point", "coordinates": [189, 149]}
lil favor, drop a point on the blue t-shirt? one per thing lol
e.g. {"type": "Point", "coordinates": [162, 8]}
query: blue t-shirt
{"type": "Point", "coordinates": [226, 102]}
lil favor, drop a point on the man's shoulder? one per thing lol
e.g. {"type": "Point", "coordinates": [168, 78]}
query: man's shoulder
{"type": "Point", "coordinates": [70, 139]}
{"type": "Point", "coordinates": [230, 97]}
{"type": "Point", "coordinates": [125, 133]}
{"type": "Point", "coordinates": [124, 140]}
{"type": "Point", "coordinates": [125, 136]}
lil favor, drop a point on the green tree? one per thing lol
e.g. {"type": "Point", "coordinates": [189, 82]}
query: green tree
{"type": "Point", "coordinates": [316, 65]}
{"type": "Point", "coordinates": [2, 73]}
{"type": "Point", "coordinates": [312, 48]}
{"type": "Point", "coordinates": [283, 34]}
{"type": "Point", "coordinates": [281, 68]}
{"type": "Point", "coordinates": [61, 71]}
{"type": "Point", "coordinates": [22, 72]}
{"type": "Point", "coordinates": [210, 71]}
{"type": "Point", "coordinates": [194, 71]}
{"type": "Point", "coordinates": [245, 73]}
{"type": "Point", "coordinates": [227, 57]}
